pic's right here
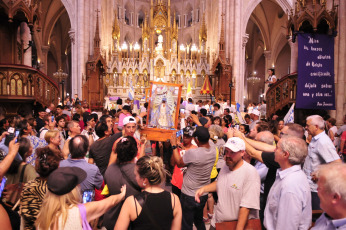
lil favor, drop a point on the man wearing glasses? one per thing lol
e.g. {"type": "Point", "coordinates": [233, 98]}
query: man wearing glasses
{"type": "Point", "coordinates": [321, 151]}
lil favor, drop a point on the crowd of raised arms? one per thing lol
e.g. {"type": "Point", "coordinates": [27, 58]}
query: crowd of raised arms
{"type": "Point", "coordinates": [67, 167]}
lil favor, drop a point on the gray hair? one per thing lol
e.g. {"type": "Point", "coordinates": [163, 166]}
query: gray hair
{"type": "Point", "coordinates": [266, 137]}
{"type": "Point", "coordinates": [316, 120]}
{"type": "Point", "coordinates": [296, 147]}
{"type": "Point", "coordinates": [215, 130]}
{"type": "Point", "coordinates": [295, 130]}
{"type": "Point", "coordinates": [71, 124]}
{"type": "Point", "coordinates": [335, 177]}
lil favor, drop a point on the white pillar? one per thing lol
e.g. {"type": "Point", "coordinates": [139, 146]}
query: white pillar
{"type": "Point", "coordinates": [267, 55]}
{"type": "Point", "coordinates": [340, 90]}
{"type": "Point", "coordinates": [294, 56]}
{"type": "Point", "coordinates": [25, 36]}
{"type": "Point", "coordinates": [76, 82]}
{"type": "Point", "coordinates": [243, 78]}
{"type": "Point", "coordinates": [237, 62]}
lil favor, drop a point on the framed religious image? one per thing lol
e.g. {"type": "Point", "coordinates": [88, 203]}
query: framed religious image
{"type": "Point", "coordinates": [163, 111]}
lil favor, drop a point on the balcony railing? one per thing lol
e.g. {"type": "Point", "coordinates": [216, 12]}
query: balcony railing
{"type": "Point", "coordinates": [24, 83]}
{"type": "Point", "coordinates": [282, 93]}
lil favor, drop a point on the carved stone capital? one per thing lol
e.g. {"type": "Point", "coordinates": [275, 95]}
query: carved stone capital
{"type": "Point", "coordinates": [267, 54]}
{"type": "Point", "coordinates": [245, 39]}
{"type": "Point", "coordinates": [72, 35]}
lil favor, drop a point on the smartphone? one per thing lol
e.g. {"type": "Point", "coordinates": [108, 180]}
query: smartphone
{"type": "Point", "coordinates": [182, 110]}
{"type": "Point", "coordinates": [2, 186]}
{"type": "Point", "coordinates": [237, 127]}
{"type": "Point", "coordinates": [52, 118]}
{"type": "Point", "coordinates": [88, 196]}
{"type": "Point", "coordinates": [10, 136]}
{"type": "Point", "coordinates": [16, 135]}
{"type": "Point", "coordinates": [180, 133]}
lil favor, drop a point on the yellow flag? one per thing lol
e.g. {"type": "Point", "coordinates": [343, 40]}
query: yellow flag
{"type": "Point", "coordinates": [189, 91]}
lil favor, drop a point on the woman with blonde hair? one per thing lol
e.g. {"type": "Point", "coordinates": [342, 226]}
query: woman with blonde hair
{"type": "Point", "coordinates": [61, 208]}
{"type": "Point", "coordinates": [53, 139]}
{"type": "Point", "coordinates": [154, 208]}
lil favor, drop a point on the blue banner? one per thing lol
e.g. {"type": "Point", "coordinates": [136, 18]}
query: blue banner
{"type": "Point", "coordinates": [315, 89]}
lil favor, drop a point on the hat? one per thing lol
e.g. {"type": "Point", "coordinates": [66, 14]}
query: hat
{"type": "Point", "coordinates": [202, 134]}
{"type": "Point", "coordinates": [235, 144]}
{"type": "Point", "coordinates": [203, 120]}
{"type": "Point", "coordinates": [256, 112]}
{"type": "Point", "coordinates": [189, 130]}
{"type": "Point", "coordinates": [64, 179]}
{"type": "Point", "coordinates": [129, 119]}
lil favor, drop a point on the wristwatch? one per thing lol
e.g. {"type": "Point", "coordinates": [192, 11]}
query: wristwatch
{"type": "Point", "coordinates": [174, 147]}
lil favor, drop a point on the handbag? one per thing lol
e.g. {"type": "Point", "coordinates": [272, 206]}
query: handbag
{"type": "Point", "coordinates": [13, 191]}
{"type": "Point", "coordinates": [85, 223]}
{"type": "Point", "coordinates": [251, 224]}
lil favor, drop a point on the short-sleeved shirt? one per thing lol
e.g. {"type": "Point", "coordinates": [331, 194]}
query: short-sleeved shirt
{"type": "Point", "coordinates": [235, 189]}
{"type": "Point", "coordinates": [35, 143]}
{"type": "Point", "coordinates": [289, 201]}
{"type": "Point", "coordinates": [101, 150]}
{"type": "Point", "coordinates": [199, 163]}
{"type": "Point", "coordinates": [321, 151]}
{"type": "Point", "coordinates": [94, 178]}
{"type": "Point", "coordinates": [115, 179]}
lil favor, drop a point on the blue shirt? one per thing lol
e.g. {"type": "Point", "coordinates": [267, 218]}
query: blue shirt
{"type": "Point", "coordinates": [35, 143]}
{"type": "Point", "coordinates": [326, 223]}
{"type": "Point", "coordinates": [289, 201]}
{"type": "Point", "coordinates": [94, 178]}
{"type": "Point", "coordinates": [321, 151]}
{"type": "Point", "coordinates": [262, 171]}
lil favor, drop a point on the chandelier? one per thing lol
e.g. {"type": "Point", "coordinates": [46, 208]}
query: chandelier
{"type": "Point", "coordinates": [253, 78]}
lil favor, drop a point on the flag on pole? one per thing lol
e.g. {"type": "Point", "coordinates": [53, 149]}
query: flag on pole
{"type": "Point", "coordinates": [206, 87]}
{"type": "Point", "coordinates": [131, 91]}
{"type": "Point", "coordinates": [238, 118]}
{"type": "Point", "coordinates": [188, 92]}
{"type": "Point", "coordinates": [289, 118]}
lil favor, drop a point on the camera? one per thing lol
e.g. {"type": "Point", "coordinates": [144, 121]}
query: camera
{"type": "Point", "coordinates": [10, 136]}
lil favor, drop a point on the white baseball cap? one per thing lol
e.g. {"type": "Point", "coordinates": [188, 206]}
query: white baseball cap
{"type": "Point", "coordinates": [235, 144]}
{"type": "Point", "coordinates": [129, 119]}
{"type": "Point", "coordinates": [256, 112]}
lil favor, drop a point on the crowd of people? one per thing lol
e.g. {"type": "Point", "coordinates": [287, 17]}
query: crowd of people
{"type": "Point", "coordinates": [67, 167]}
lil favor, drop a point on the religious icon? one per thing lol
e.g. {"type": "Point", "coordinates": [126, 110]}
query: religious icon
{"type": "Point", "coordinates": [163, 110]}
{"type": "Point", "coordinates": [162, 106]}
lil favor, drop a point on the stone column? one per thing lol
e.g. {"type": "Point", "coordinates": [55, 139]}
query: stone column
{"type": "Point", "coordinates": [294, 55]}
{"type": "Point", "coordinates": [237, 51]}
{"type": "Point", "coordinates": [243, 78]}
{"type": "Point", "coordinates": [267, 55]}
{"type": "Point", "coordinates": [25, 36]}
{"type": "Point", "coordinates": [80, 43]}
{"type": "Point", "coordinates": [43, 63]}
{"type": "Point", "coordinates": [74, 60]}
{"type": "Point", "coordinates": [340, 89]}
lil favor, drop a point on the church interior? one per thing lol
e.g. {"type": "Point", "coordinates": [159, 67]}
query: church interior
{"type": "Point", "coordinates": [53, 49]}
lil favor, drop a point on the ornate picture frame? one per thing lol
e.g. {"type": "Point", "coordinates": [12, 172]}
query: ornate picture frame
{"type": "Point", "coordinates": [163, 110]}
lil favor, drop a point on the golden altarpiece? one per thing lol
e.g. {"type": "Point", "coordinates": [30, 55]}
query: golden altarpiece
{"type": "Point", "coordinates": [160, 57]}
